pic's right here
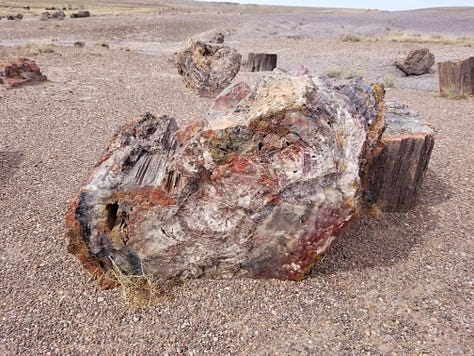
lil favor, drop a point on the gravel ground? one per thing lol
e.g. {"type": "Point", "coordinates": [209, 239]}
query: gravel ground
{"type": "Point", "coordinates": [395, 284]}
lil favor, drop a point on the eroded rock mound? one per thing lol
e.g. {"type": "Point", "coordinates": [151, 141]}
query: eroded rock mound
{"type": "Point", "coordinates": [259, 188]}
{"type": "Point", "coordinates": [20, 71]}
{"type": "Point", "coordinates": [207, 68]}
{"type": "Point", "coordinates": [417, 62]}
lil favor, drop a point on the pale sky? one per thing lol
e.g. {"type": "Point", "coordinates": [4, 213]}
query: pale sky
{"type": "Point", "coordinates": [363, 4]}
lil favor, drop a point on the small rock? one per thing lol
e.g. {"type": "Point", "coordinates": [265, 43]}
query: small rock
{"type": "Point", "coordinates": [219, 37]}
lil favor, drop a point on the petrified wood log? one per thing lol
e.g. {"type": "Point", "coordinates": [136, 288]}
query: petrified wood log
{"type": "Point", "coordinates": [399, 165]}
{"type": "Point", "coordinates": [456, 79]}
{"type": "Point", "coordinates": [260, 188]}
{"type": "Point", "coordinates": [207, 68]}
{"type": "Point", "coordinates": [418, 62]}
{"type": "Point", "coordinates": [20, 71]}
{"type": "Point", "coordinates": [257, 62]}
{"type": "Point", "coordinates": [80, 14]}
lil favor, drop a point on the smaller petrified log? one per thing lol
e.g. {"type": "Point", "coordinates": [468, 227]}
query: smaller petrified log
{"type": "Point", "coordinates": [15, 17]}
{"type": "Point", "coordinates": [45, 16]}
{"type": "Point", "coordinates": [59, 15]}
{"type": "Point", "coordinates": [397, 170]}
{"type": "Point", "coordinates": [19, 72]}
{"type": "Point", "coordinates": [80, 14]}
{"type": "Point", "coordinates": [257, 62]}
{"type": "Point", "coordinates": [207, 68]}
{"type": "Point", "coordinates": [418, 62]}
{"type": "Point", "coordinates": [456, 79]}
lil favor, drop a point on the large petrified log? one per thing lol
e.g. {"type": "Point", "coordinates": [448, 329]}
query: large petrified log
{"type": "Point", "coordinates": [260, 188]}
{"type": "Point", "coordinates": [397, 169]}
{"type": "Point", "coordinates": [456, 79]}
{"type": "Point", "coordinates": [207, 68]}
{"type": "Point", "coordinates": [20, 71]}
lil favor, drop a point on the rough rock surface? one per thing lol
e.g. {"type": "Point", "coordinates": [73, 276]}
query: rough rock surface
{"type": "Point", "coordinates": [20, 71]}
{"type": "Point", "coordinates": [417, 62]}
{"type": "Point", "coordinates": [257, 189]}
{"type": "Point", "coordinates": [207, 68]}
{"type": "Point", "coordinates": [400, 162]}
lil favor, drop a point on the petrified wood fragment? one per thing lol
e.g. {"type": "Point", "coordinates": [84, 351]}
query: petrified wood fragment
{"type": "Point", "coordinates": [20, 71]}
{"type": "Point", "coordinates": [207, 68]}
{"type": "Point", "coordinates": [456, 79]}
{"type": "Point", "coordinates": [418, 62]}
{"type": "Point", "coordinates": [396, 172]}
{"type": "Point", "coordinates": [80, 14]}
{"type": "Point", "coordinates": [259, 189]}
{"type": "Point", "coordinates": [258, 62]}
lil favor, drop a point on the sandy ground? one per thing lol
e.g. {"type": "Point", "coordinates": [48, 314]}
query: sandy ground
{"type": "Point", "coordinates": [397, 284]}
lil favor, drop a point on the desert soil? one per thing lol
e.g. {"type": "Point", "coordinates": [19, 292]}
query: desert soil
{"type": "Point", "coordinates": [393, 284]}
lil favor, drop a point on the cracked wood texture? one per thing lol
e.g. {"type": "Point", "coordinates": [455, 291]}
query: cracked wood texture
{"type": "Point", "coordinates": [456, 79]}
{"type": "Point", "coordinates": [258, 62]}
{"type": "Point", "coordinates": [397, 169]}
{"type": "Point", "coordinates": [259, 188]}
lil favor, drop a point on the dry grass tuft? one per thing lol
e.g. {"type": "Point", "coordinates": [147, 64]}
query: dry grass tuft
{"type": "Point", "coordinates": [36, 49]}
{"type": "Point", "coordinates": [406, 37]}
{"type": "Point", "coordinates": [455, 92]}
{"type": "Point", "coordinates": [102, 44]}
{"type": "Point", "coordinates": [400, 36]}
{"type": "Point", "coordinates": [390, 81]}
{"type": "Point", "coordinates": [138, 290]}
{"type": "Point", "coordinates": [353, 74]}
{"type": "Point", "coordinates": [333, 73]}
{"type": "Point", "coordinates": [374, 210]}
{"type": "Point", "coordinates": [351, 37]}
{"type": "Point", "coordinates": [142, 290]}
